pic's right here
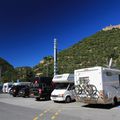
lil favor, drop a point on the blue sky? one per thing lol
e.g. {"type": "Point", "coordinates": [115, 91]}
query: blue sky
{"type": "Point", "coordinates": [28, 27]}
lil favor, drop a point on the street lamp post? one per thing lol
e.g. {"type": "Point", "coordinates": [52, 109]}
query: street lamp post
{"type": "Point", "coordinates": [55, 56]}
{"type": "Point", "coordinates": [47, 70]}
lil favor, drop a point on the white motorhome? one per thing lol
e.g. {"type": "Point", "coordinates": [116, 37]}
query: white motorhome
{"type": "Point", "coordinates": [6, 87]}
{"type": "Point", "coordinates": [64, 88]}
{"type": "Point", "coordinates": [98, 85]}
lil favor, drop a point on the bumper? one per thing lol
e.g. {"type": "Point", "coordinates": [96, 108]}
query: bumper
{"type": "Point", "coordinates": [94, 100]}
{"type": "Point", "coordinates": [57, 98]}
{"type": "Point", "coordinates": [47, 96]}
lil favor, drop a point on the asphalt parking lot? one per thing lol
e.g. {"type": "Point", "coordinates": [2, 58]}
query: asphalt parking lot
{"type": "Point", "coordinates": [48, 110]}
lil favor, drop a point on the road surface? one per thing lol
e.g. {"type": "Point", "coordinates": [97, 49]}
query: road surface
{"type": "Point", "coordinates": [28, 109]}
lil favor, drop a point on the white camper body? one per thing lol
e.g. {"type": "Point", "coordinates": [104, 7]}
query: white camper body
{"type": "Point", "coordinates": [6, 87]}
{"type": "Point", "coordinates": [64, 90]}
{"type": "Point", "coordinates": [98, 85]}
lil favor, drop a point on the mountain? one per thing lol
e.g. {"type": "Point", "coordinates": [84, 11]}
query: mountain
{"type": "Point", "coordinates": [9, 73]}
{"type": "Point", "coordinates": [5, 65]}
{"type": "Point", "coordinates": [25, 73]}
{"type": "Point", "coordinates": [45, 67]}
{"type": "Point", "coordinates": [7, 70]}
{"type": "Point", "coordinates": [95, 50]}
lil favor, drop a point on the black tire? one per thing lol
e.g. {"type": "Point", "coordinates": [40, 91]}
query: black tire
{"type": "Point", "coordinates": [37, 99]}
{"type": "Point", "coordinates": [14, 95]}
{"type": "Point", "coordinates": [47, 98]}
{"type": "Point", "coordinates": [115, 101]}
{"type": "Point", "coordinates": [24, 96]}
{"type": "Point", "coordinates": [68, 99]}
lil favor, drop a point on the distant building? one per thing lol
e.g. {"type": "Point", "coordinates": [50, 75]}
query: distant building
{"type": "Point", "coordinates": [22, 72]}
{"type": "Point", "coordinates": [38, 74]}
{"type": "Point", "coordinates": [111, 27]}
{"type": "Point", "coordinates": [42, 62]}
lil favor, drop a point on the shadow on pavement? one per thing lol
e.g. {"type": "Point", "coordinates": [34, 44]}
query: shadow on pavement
{"type": "Point", "coordinates": [63, 102]}
{"type": "Point", "coordinates": [101, 106]}
{"type": "Point", "coordinates": [42, 99]}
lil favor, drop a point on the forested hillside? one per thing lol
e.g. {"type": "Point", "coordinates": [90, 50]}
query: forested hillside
{"type": "Point", "coordinates": [7, 71]}
{"type": "Point", "coordinates": [92, 51]}
{"type": "Point", "coordinates": [95, 50]}
{"type": "Point", "coordinates": [10, 74]}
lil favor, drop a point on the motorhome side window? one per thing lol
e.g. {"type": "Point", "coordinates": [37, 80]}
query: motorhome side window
{"type": "Point", "coordinates": [108, 73]}
{"type": "Point", "coordinates": [83, 80]}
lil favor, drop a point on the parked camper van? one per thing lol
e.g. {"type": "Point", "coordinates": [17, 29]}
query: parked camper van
{"type": "Point", "coordinates": [64, 88]}
{"type": "Point", "coordinates": [98, 85]}
{"type": "Point", "coordinates": [6, 87]}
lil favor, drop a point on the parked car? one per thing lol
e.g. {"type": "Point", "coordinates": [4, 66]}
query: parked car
{"type": "Point", "coordinates": [14, 91]}
{"type": "Point", "coordinates": [25, 91]}
{"type": "Point", "coordinates": [42, 88]}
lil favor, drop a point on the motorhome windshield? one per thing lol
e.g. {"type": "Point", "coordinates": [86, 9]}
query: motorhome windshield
{"type": "Point", "coordinates": [61, 85]}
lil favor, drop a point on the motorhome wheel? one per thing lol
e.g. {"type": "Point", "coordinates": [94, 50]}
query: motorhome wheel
{"type": "Point", "coordinates": [115, 101]}
{"type": "Point", "coordinates": [68, 99]}
{"type": "Point", "coordinates": [37, 99]}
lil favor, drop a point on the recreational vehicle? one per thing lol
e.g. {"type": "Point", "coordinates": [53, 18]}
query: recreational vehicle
{"type": "Point", "coordinates": [6, 87]}
{"type": "Point", "coordinates": [64, 88]}
{"type": "Point", "coordinates": [98, 85]}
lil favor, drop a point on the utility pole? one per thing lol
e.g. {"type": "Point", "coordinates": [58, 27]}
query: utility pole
{"type": "Point", "coordinates": [55, 56]}
{"type": "Point", "coordinates": [47, 69]}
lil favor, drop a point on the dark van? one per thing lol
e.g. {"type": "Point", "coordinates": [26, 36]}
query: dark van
{"type": "Point", "coordinates": [42, 88]}
{"type": "Point", "coordinates": [15, 89]}
{"type": "Point", "coordinates": [25, 91]}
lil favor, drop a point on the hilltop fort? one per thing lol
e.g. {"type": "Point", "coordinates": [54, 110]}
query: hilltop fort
{"type": "Point", "coordinates": [111, 27]}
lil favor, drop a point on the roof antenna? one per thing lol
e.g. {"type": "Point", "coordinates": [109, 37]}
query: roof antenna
{"type": "Point", "coordinates": [110, 63]}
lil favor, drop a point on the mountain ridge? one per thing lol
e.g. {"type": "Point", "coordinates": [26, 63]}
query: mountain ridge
{"type": "Point", "coordinates": [95, 50]}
